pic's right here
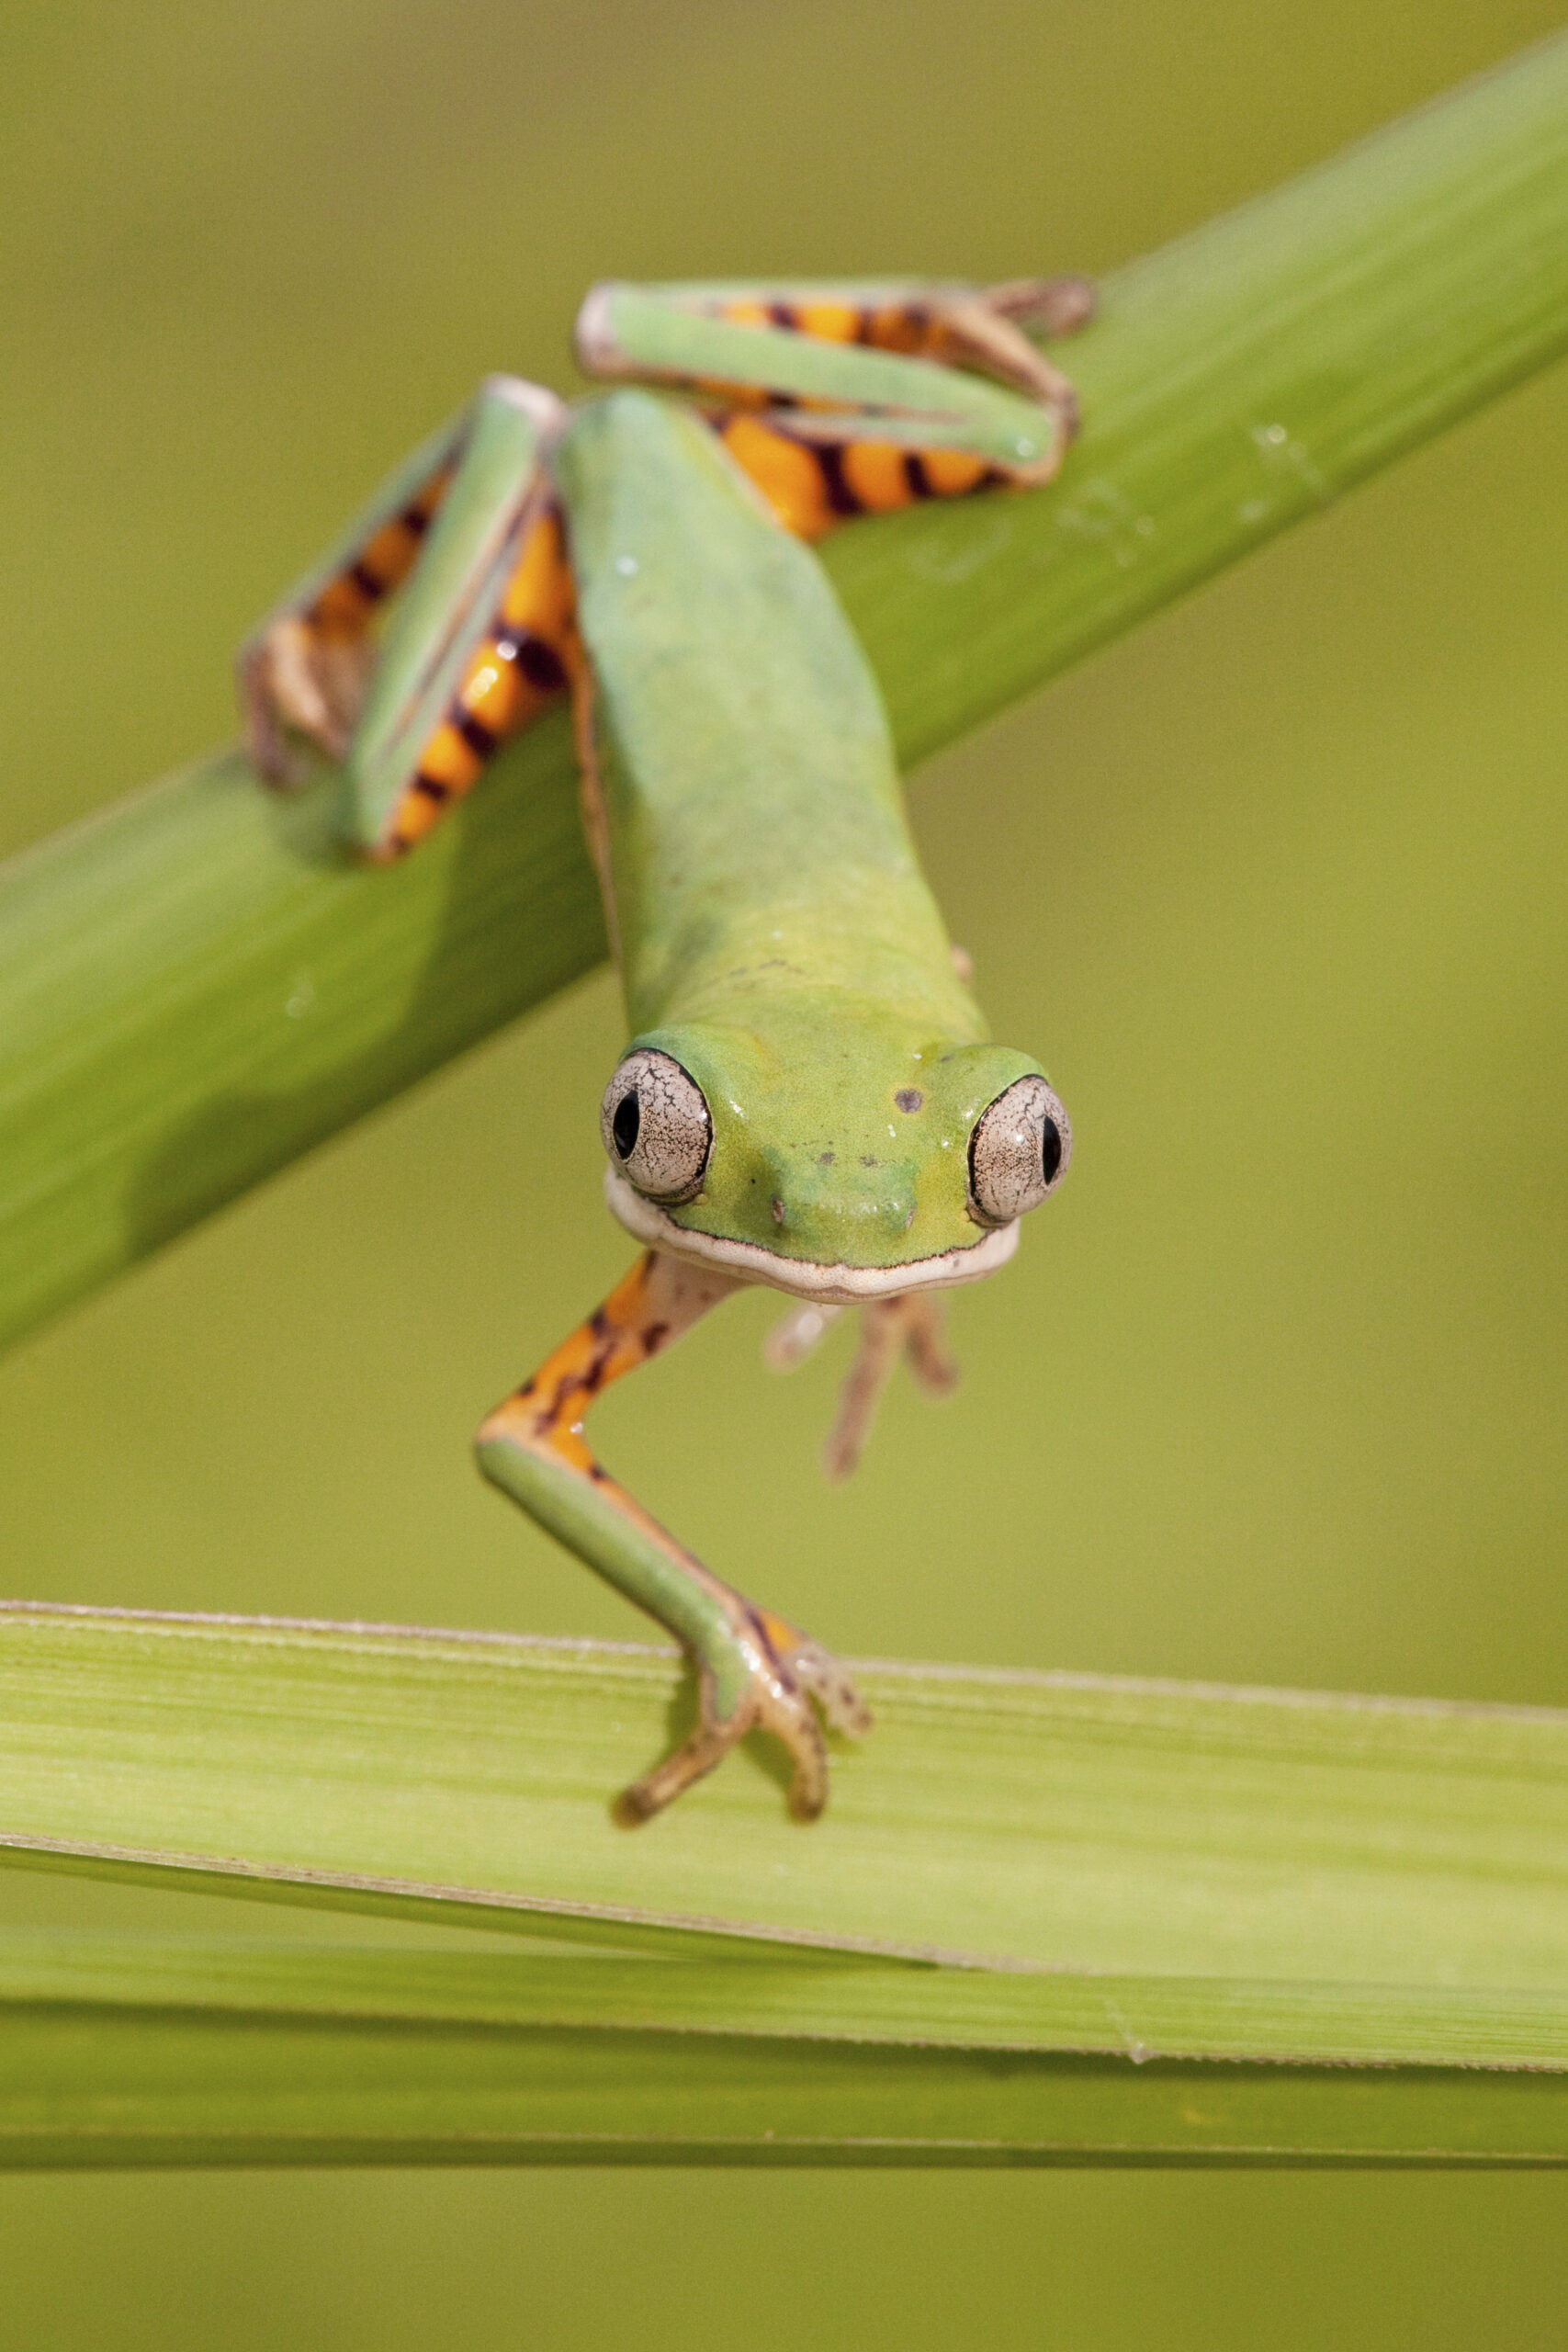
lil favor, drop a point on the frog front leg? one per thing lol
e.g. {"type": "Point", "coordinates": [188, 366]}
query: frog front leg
{"type": "Point", "coordinates": [755, 1671]}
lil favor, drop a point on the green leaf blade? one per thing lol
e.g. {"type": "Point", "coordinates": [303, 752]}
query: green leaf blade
{"type": "Point", "coordinates": [1034, 1820]}
{"type": "Point", "coordinates": [291, 2080]}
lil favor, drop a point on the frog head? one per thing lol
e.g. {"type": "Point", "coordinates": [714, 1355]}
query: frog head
{"type": "Point", "coordinates": [841, 1159]}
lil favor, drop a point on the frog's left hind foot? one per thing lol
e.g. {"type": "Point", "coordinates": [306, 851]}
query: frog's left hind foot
{"type": "Point", "coordinates": [785, 1678]}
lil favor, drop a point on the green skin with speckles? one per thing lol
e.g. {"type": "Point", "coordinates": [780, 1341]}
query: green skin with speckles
{"type": "Point", "coordinates": [776, 935]}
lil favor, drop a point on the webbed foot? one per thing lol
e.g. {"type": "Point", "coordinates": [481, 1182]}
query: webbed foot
{"type": "Point", "coordinates": [776, 1681]}
{"type": "Point", "coordinates": [298, 680]}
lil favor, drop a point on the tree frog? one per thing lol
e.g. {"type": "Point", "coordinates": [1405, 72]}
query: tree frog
{"type": "Point", "coordinates": [808, 1097]}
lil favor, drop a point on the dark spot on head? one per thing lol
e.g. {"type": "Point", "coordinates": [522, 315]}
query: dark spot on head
{"type": "Point", "coordinates": [866, 1161]}
{"type": "Point", "coordinates": [625, 1124]}
{"type": "Point", "coordinates": [824, 1159]}
{"type": "Point", "coordinates": [908, 1098]}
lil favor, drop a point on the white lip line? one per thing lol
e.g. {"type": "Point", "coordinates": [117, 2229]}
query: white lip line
{"type": "Point", "coordinates": [838, 1286]}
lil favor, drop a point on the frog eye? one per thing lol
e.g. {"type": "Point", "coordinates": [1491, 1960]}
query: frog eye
{"type": "Point", "coordinates": [655, 1126]}
{"type": "Point", "coordinates": [1018, 1152]}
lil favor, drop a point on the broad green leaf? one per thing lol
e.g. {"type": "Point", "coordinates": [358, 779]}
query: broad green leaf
{"type": "Point", "coordinates": [1007, 1820]}
{"type": "Point", "coordinates": [197, 987]}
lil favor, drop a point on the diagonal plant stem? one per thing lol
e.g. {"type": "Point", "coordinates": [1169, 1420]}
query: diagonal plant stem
{"type": "Point", "coordinates": [197, 987]}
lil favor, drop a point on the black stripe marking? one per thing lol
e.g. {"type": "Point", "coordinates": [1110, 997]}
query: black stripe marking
{"type": "Point", "coordinates": [783, 315]}
{"type": "Point", "coordinates": [415, 520]}
{"type": "Point", "coordinates": [431, 788]}
{"type": "Point", "coordinates": [365, 579]}
{"type": "Point", "coordinates": [829, 457]}
{"type": "Point", "coordinates": [539, 662]}
{"type": "Point", "coordinates": [915, 474]}
{"type": "Point", "coordinates": [473, 732]}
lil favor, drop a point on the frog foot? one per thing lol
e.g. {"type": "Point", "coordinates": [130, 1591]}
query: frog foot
{"type": "Point", "coordinates": [785, 1678]}
{"type": "Point", "coordinates": [299, 679]}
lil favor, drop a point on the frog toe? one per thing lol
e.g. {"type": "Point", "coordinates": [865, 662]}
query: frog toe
{"type": "Point", "coordinates": [817, 1670]}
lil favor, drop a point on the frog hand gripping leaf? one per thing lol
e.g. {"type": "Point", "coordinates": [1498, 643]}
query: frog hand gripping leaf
{"type": "Point", "coordinates": [810, 1098]}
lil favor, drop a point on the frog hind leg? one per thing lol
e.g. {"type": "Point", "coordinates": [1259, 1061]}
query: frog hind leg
{"type": "Point", "coordinates": [830, 372]}
{"type": "Point", "coordinates": [460, 666]}
{"type": "Point", "coordinates": [516, 652]}
{"type": "Point", "coordinates": [466, 531]}
{"type": "Point", "coordinates": [891, 420]}
{"type": "Point", "coordinates": [959, 326]}
{"type": "Point", "coordinates": [304, 667]}
{"type": "Point", "coordinates": [755, 1671]}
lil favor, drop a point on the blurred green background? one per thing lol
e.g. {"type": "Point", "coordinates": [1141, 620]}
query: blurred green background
{"type": "Point", "coordinates": [1275, 888]}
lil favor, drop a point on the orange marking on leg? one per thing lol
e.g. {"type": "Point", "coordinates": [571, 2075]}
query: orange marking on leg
{"type": "Point", "coordinates": [898, 326]}
{"type": "Point", "coordinates": [411, 820]}
{"type": "Point", "coordinates": [448, 761]}
{"type": "Point", "coordinates": [343, 607]}
{"type": "Point", "coordinates": [742, 313]}
{"type": "Point", "coordinates": [788, 474]}
{"type": "Point", "coordinates": [515, 672]}
{"type": "Point", "coordinates": [388, 555]}
{"type": "Point", "coordinates": [875, 474]}
{"type": "Point", "coordinates": [658, 1299]}
{"type": "Point", "coordinates": [541, 602]}
{"type": "Point", "coordinates": [426, 504]}
{"type": "Point", "coordinates": [950, 473]}
{"type": "Point", "coordinates": [828, 321]}
{"type": "Point", "coordinates": [494, 691]}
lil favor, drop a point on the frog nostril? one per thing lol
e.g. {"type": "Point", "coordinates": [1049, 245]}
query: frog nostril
{"type": "Point", "coordinates": [777, 1206]}
{"type": "Point", "coordinates": [908, 1098]}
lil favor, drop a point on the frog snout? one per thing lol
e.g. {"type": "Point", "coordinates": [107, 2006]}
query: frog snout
{"type": "Point", "coordinates": [845, 1216]}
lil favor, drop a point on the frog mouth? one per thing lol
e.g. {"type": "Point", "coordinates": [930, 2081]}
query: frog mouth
{"type": "Point", "coordinates": [837, 1285]}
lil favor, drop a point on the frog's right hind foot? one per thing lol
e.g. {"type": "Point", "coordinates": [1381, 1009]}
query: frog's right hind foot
{"type": "Point", "coordinates": [294, 679]}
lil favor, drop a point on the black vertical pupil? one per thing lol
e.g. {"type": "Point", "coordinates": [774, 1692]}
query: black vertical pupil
{"type": "Point", "coordinates": [628, 1119]}
{"type": "Point", "coordinates": [1050, 1150]}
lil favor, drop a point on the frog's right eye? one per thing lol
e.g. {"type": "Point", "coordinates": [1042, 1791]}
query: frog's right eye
{"type": "Point", "coordinates": [656, 1126]}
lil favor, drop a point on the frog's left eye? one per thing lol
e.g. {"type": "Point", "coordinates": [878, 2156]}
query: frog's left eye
{"type": "Point", "coordinates": [656, 1126]}
{"type": "Point", "coordinates": [1018, 1152]}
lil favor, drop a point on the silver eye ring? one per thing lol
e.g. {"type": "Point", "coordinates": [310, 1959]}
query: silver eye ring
{"type": "Point", "coordinates": [656, 1127]}
{"type": "Point", "coordinates": [1018, 1152]}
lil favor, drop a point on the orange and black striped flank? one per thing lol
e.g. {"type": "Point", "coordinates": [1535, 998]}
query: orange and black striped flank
{"type": "Point", "coordinates": [344, 604]}
{"type": "Point", "coordinates": [523, 664]}
{"type": "Point", "coordinates": [811, 484]}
